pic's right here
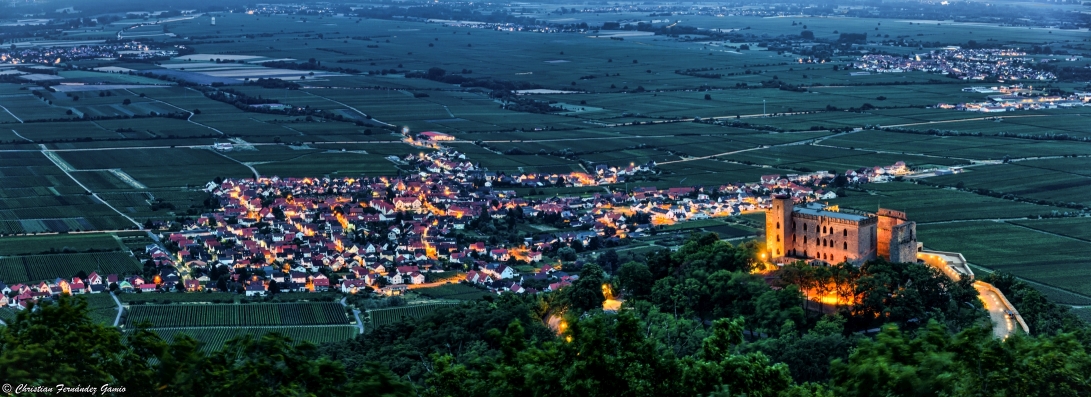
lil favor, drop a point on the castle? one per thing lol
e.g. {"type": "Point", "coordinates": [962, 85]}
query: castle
{"type": "Point", "coordinates": [823, 233]}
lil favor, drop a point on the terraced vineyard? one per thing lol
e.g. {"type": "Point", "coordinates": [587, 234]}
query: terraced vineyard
{"type": "Point", "coordinates": [238, 315]}
{"type": "Point", "coordinates": [101, 308]}
{"type": "Point", "coordinates": [213, 339]}
{"type": "Point", "coordinates": [382, 317]}
{"type": "Point", "coordinates": [19, 269]}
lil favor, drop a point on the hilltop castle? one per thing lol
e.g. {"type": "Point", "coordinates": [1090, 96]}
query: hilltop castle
{"type": "Point", "coordinates": [824, 233]}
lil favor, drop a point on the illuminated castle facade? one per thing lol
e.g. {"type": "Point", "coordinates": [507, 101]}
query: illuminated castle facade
{"type": "Point", "coordinates": [816, 232]}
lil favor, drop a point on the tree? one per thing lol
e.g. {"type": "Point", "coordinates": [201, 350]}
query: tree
{"type": "Point", "coordinates": [635, 279]}
{"type": "Point", "coordinates": [566, 254]}
{"type": "Point", "coordinates": [586, 293]}
{"type": "Point", "coordinates": [127, 101]}
{"type": "Point", "coordinates": [708, 97]}
{"type": "Point", "coordinates": [806, 35]}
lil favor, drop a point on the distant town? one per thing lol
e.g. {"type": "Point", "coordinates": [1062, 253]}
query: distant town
{"type": "Point", "coordinates": [384, 234]}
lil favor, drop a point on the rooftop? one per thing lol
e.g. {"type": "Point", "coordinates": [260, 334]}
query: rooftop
{"type": "Point", "coordinates": [831, 214]}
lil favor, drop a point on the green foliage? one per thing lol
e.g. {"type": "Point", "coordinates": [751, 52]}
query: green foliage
{"type": "Point", "coordinates": [970, 363]}
{"type": "Point", "coordinates": [586, 293]}
{"type": "Point", "coordinates": [58, 343]}
{"type": "Point", "coordinates": [609, 355]}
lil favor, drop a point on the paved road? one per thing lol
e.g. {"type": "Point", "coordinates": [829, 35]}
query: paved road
{"type": "Point", "coordinates": [119, 309]}
{"type": "Point", "coordinates": [1003, 326]}
{"type": "Point", "coordinates": [12, 114]}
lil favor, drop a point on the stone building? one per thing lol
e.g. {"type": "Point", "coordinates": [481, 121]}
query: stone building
{"type": "Point", "coordinates": [823, 233]}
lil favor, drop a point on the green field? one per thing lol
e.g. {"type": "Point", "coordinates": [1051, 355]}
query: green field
{"type": "Point", "coordinates": [457, 291]}
{"type": "Point", "coordinates": [213, 339]}
{"type": "Point", "coordinates": [237, 315]}
{"type": "Point", "coordinates": [1051, 260]}
{"type": "Point", "coordinates": [19, 269]}
{"type": "Point", "coordinates": [102, 308]}
{"type": "Point", "coordinates": [380, 317]}
{"type": "Point", "coordinates": [926, 204]}
{"type": "Point", "coordinates": [27, 245]}
{"type": "Point", "coordinates": [1058, 180]}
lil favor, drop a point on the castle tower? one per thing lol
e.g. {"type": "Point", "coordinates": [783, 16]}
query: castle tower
{"type": "Point", "coordinates": [778, 222]}
{"type": "Point", "coordinates": [896, 237]}
{"type": "Point", "coordinates": [903, 243]}
{"type": "Point", "coordinates": [888, 219]}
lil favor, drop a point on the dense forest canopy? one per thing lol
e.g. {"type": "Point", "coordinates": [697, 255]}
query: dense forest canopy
{"type": "Point", "coordinates": [694, 322]}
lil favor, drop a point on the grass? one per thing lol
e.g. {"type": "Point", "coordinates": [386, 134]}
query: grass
{"type": "Point", "coordinates": [453, 291]}
{"type": "Point", "coordinates": [101, 308]}
{"type": "Point", "coordinates": [233, 315]}
{"type": "Point", "coordinates": [213, 339]}
{"type": "Point", "coordinates": [1078, 228]}
{"type": "Point", "coordinates": [27, 245]}
{"type": "Point", "coordinates": [380, 317]}
{"type": "Point", "coordinates": [926, 204]}
{"type": "Point", "coordinates": [1059, 180]}
{"type": "Point", "coordinates": [166, 297]}
{"type": "Point", "coordinates": [32, 268]}
{"type": "Point", "coordinates": [1052, 260]}
{"type": "Point", "coordinates": [159, 168]}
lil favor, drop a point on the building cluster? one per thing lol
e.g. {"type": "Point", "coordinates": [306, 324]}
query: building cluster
{"type": "Point", "coordinates": [388, 234]}
{"type": "Point", "coordinates": [1011, 100]}
{"type": "Point", "coordinates": [20, 296]}
{"type": "Point", "coordinates": [966, 64]}
{"type": "Point", "coordinates": [55, 55]}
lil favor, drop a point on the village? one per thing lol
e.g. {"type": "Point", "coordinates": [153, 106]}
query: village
{"type": "Point", "coordinates": [1017, 97]}
{"type": "Point", "coordinates": [965, 64]}
{"type": "Point", "coordinates": [386, 235]}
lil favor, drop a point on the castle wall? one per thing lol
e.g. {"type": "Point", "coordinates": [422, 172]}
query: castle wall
{"type": "Point", "coordinates": [831, 239]}
{"type": "Point", "coordinates": [777, 223]}
{"type": "Point", "coordinates": [903, 243]}
{"type": "Point", "coordinates": [888, 219]}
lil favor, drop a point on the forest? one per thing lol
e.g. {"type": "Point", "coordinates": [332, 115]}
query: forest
{"type": "Point", "coordinates": [695, 322]}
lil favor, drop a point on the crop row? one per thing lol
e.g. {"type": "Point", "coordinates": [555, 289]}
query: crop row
{"type": "Point", "coordinates": [20, 269]}
{"type": "Point", "coordinates": [216, 315]}
{"type": "Point", "coordinates": [213, 339]}
{"type": "Point", "coordinates": [382, 317]}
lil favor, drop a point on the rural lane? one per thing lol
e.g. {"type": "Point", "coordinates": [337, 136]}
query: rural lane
{"type": "Point", "coordinates": [120, 308]}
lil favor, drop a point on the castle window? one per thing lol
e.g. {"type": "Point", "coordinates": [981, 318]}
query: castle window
{"type": "Point", "coordinates": [804, 227]}
{"type": "Point", "coordinates": [823, 229]}
{"type": "Point", "coordinates": [804, 253]}
{"type": "Point", "coordinates": [778, 238]}
{"type": "Point", "coordinates": [778, 251]}
{"type": "Point", "coordinates": [846, 232]}
{"type": "Point", "coordinates": [793, 238]}
{"type": "Point", "coordinates": [846, 245]}
{"type": "Point", "coordinates": [778, 225]}
{"type": "Point", "coordinates": [804, 239]}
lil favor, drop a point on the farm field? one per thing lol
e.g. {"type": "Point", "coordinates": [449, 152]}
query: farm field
{"type": "Point", "coordinates": [166, 298]}
{"type": "Point", "coordinates": [380, 317]}
{"type": "Point", "coordinates": [926, 204]}
{"type": "Point", "coordinates": [1055, 180]}
{"type": "Point", "coordinates": [187, 167]}
{"type": "Point", "coordinates": [27, 245]}
{"type": "Point", "coordinates": [102, 308]}
{"type": "Point", "coordinates": [1078, 228]}
{"type": "Point", "coordinates": [1047, 259]}
{"type": "Point", "coordinates": [213, 339]}
{"type": "Point", "coordinates": [234, 315]}
{"type": "Point", "coordinates": [456, 291]}
{"type": "Point", "coordinates": [30, 268]}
